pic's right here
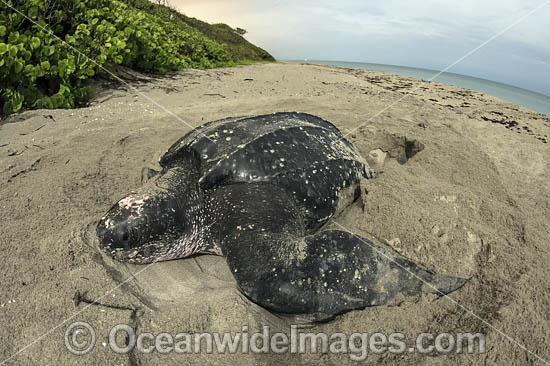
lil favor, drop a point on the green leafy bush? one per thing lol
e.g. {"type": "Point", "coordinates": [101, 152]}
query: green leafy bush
{"type": "Point", "coordinates": [38, 70]}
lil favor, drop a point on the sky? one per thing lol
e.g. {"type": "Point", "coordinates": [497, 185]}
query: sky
{"type": "Point", "coordinates": [430, 34]}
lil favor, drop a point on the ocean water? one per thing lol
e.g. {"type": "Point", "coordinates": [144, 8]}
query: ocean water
{"type": "Point", "coordinates": [523, 97]}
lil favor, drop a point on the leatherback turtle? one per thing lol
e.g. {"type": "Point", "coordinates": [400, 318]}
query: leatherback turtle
{"type": "Point", "coordinates": [259, 190]}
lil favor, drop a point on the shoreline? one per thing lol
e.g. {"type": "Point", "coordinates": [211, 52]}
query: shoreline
{"type": "Point", "coordinates": [536, 101]}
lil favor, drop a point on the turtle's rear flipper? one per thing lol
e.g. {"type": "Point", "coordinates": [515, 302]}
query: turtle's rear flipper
{"type": "Point", "coordinates": [326, 274]}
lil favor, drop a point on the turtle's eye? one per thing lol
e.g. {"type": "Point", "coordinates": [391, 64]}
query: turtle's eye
{"type": "Point", "coordinates": [128, 236]}
{"type": "Point", "coordinates": [123, 237]}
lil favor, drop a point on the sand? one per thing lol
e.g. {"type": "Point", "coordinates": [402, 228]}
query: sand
{"type": "Point", "coordinates": [461, 188]}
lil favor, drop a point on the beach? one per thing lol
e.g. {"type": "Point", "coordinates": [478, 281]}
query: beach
{"type": "Point", "coordinates": [461, 188]}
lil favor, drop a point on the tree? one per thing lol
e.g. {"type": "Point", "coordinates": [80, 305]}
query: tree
{"type": "Point", "coordinates": [162, 2]}
{"type": "Point", "coordinates": [240, 31]}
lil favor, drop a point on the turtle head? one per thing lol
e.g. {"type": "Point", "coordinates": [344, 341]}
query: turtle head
{"type": "Point", "coordinates": [143, 228]}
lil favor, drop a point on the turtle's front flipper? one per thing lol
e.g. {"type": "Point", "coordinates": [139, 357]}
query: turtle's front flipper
{"type": "Point", "coordinates": [327, 273]}
{"type": "Point", "coordinates": [357, 268]}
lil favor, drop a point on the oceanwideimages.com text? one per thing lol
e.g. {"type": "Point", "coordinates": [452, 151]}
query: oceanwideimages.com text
{"type": "Point", "coordinates": [80, 338]}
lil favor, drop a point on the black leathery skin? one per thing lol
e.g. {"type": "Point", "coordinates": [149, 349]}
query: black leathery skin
{"type": "Point", "coordinates": [133, 227]}
{"type": "Point", "coordinates": [326, 273]}
{"type": "Point", "coordinates": [306, 155]}
{"type": "Point", "coordinates": [258, 190]}
{"type": "Point", "coordinates": [215, 141]}
{"type": "Point", "coordinates": [164, 219]}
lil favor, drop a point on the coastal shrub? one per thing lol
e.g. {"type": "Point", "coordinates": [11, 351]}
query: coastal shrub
{"type": "Point", "coordinates": [39, 70]}
{"type": "Point", "coordinates": [231, 39]}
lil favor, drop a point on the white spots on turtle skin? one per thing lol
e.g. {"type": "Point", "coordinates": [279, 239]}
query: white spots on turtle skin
{"type": "Point", "coordinates": [322, 184]}
{"type": "Point", "coordinates": [108, 222]}
{"type": "Point", "coordinates": [322, 219]}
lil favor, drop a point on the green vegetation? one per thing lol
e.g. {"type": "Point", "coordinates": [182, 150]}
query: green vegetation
{"type": "Point", "coordinates": [231, 39]}
{"type": "Point", "coordinates": [39, 70]}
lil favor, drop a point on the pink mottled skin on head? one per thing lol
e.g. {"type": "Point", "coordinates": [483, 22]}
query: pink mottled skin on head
{"type": "Point", "coordinates": [133, 203]}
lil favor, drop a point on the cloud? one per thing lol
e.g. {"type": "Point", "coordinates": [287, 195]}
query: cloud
{"type": "Point", "coordinates": [418, 33]}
